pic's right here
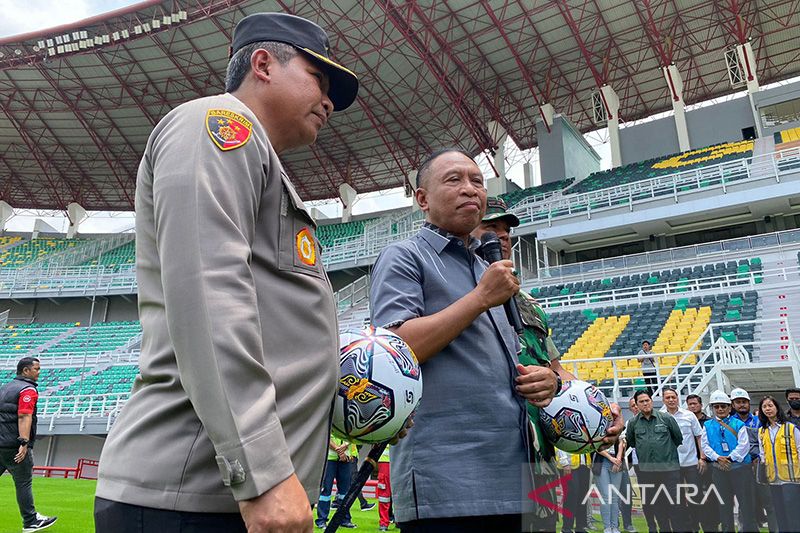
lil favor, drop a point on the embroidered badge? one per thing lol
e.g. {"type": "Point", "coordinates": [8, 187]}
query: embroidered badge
{"type": "Point", "coordinates": [306, 250]}
{"type": "Point", "coordinates": [227, 129]}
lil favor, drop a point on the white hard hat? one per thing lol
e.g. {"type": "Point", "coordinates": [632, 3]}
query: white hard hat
{"type": "Point", "coordinates": [739, 393]}
{"type": "Point", "coordinates": [719, 397]}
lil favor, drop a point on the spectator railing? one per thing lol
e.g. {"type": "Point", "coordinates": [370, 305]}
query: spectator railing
{"type": "Point", "coordinates": [698, 253]}
{"type": "Point", "coordinates": [74, 359]}
{"type": "Point", "coordinates": [671, 289]}
{"type": "Point", "coordinates": [714, 177]}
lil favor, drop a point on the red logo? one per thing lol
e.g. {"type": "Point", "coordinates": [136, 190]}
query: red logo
{"type": "Point", "coordinates": [26, 399]}
{"type": "Point", "coordinates": [227, 129]}
{"type": "Point", "coordinates": [535, 495]}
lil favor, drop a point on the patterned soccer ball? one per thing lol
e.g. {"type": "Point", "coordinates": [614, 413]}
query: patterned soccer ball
{"type": "Point", "coordinates": [380, 385]}
{"type": "Point", "coordinates": [577, 419]}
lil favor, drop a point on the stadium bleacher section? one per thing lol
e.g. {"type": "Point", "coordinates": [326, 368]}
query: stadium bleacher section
{"type": "Point", "coordinates": [516, 197]}
{"type": "Point", "coordinates": [662, 166]}
{"type": "Point", "coordinates": [117, 258]}
{"type": "Point", "coordinates": [328, 234]}
{"type": "Point", "coordinates": [679, 277]}
{"type": "Point", "coordinates": [34, 250]}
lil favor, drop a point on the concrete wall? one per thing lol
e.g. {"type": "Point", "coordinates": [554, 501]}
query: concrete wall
{"type": "Point", "coordinates": [107, 309]}
{"type": "Point", "coordinates": [563, 152]}
{"type": "Point", "coordinates": [65, 450]}
{"type": "Point", "coordinates": [707, 125]}
{"type": "Point", "coordinates": [777, 95]}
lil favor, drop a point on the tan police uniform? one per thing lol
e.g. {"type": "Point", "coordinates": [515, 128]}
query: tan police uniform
{"type": "Point", "coordinates": [239, 353]}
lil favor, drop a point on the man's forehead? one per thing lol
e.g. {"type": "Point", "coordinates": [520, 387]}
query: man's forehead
{"type": "Point", "coordinates": [453, 161]}
{"type": "Point", "coordinates": [495, 224]}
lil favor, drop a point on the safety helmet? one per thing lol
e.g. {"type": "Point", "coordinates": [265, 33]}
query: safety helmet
{"type": "Point", "coordinates": [739, 393]}
{"type": "Point", "coordinates": [719, 397]}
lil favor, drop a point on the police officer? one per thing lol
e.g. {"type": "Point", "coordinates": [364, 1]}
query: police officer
{"type": "Point", "coordinates": [726, 444]}
{"type": "Point", "coordinates": [227, 424]}
{"type": "Point", "coordinates": [18, 420]}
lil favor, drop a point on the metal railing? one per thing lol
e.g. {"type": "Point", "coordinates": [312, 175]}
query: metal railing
{"type": "Point", "coordinates": [720, 176]}
{"type": "Point", "coordinates": [706, 252]}
{"type": "Point", "coordinates": [677, 289]}
{"type": "Point", "coordinates": [68, 281]}
{"type": "Point", "coordinates": [74, 359]}
{"type": "Point", "coordinates": [352, 294]}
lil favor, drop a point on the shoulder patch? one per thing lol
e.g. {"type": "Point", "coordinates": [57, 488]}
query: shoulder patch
{"type": "Point", "coordinates": [228, 130]}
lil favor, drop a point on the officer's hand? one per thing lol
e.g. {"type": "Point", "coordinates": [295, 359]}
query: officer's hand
{"type": "Point", "coordinates": [613, 433]}
{"type": "Point", "coordinates": [21, 453]}
{"type": "Point", "coordinates": [537, 384]}
{"type": "Point", "coordinates": [403, 432]}
{"type": "Point", "coordinates": [498, 284]}
{"type": "Point", "coordinates": [282, 509]}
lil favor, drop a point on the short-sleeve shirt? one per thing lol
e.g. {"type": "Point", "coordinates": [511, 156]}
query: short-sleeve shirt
{"type": "Point", "coordinates": [467, 452]}
{"type": "Point", "coordinates": [27, 401]}
{"type": "Point", "coordinates": [690, 428]}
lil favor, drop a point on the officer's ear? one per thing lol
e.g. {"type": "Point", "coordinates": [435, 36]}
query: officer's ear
{"type": "Point", "coordinates": [262, 64]}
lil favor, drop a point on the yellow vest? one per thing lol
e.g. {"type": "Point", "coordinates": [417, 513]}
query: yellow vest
{"type": "Point", "coordinates": [352, 451]}
{"type": "Point", "coordinates": [577, 459]}
{"type": "Point", "coordinates": [784, 456]}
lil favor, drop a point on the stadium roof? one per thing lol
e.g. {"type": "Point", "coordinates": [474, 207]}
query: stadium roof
{"type": "Point", "coordinates": [79, 101]}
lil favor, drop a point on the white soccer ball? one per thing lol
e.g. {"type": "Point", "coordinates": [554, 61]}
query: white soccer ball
{"type": "Point", "coordinates": [578, 418]}
{"type": "Point", "coordinates": [380, 385]}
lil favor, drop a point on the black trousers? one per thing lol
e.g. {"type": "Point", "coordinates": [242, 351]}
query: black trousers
{"type": "Point", "coordinates": [659, 496]}
{"type": "Point", "coordinates": [736, 483]}
{"type": "Point", "coordinates": [709, 511]}
{"type": "Point", "coordinates": [115, 517]}
{"type": "Point", "coordinates": [465, 524]}
{"type": "Point", "coordinates": [647, 510]}
{"type": "Point", "coordinates": [577, 488]}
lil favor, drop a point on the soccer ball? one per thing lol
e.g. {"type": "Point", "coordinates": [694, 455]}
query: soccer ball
{"type": "Point", "coordinates": [577, 419]}
{"type": "Point", "coordinates": [380, 385]}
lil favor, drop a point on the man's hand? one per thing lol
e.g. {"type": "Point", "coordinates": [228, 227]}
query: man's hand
{"type": "Point", "coordinates": [702, 466]}
{"type": "Point", "coordinates": [537, 384]}
{"type": "Point", "coordinates": [282, 509]}
{"type": "Point", "coordinates": [498, 284]}
{"type": "Point", "coordinates": [403, 432]}
{"type": "Point", "coordinates": [613, 433]}
{"type": "Point", "coordinates": [724, 463]}
{"type": "Point", "coordinates": [21, 453]}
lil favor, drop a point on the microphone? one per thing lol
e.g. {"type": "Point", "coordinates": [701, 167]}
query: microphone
{"type": "Point", "coordinates": [491, 251]}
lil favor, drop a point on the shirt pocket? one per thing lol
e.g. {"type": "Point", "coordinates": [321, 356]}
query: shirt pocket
{"type": "Point", "coordinates": [299, 250]}
{"type": "Point", "coordinates": [661, 429]}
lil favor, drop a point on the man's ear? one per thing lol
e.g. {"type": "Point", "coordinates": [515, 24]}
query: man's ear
{"type": "Point", "coordinates": [421, 195]}
{"type": "Point", "coordinates": [261, 64]}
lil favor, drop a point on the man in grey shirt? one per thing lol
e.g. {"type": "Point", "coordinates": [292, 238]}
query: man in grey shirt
{"type": "Point", "coordinates": [227, 425]}
{"type": "Point", "coordinates": [648, 362]}
{"type": "Point", "coordinates": [465, 466]}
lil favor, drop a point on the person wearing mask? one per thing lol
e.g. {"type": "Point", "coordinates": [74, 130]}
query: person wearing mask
{"type": "Point", "coordinates": [727, 446]}
{"type": "Point", "coordinates": [577, 467]}
{"type": "Point", "coordinates": [779, 451]}
{"type": "Point", "coordinates": [648, 362]}
{"type": "Point", "coordinates": [740, 402]}
{"type": "Point", "coordinates": [656, 437]}
{"type": "Point", "coordinates": [793, 413]}
{"type": "Point", "coordinates": [709, 517]}
{"type": "Point", "coordinates": [691, 457]}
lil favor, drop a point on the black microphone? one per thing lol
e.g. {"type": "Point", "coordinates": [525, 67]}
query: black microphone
{"type": "Point", "coordinates": [491, 251]}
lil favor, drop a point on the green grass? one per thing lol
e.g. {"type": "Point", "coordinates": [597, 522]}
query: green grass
{"type": "Point", "coordinates": [72, 500]}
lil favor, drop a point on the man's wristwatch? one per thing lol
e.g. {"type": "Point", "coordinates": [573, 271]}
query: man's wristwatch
{"type": "Point", "coordinates": [22, 442]}
{"type": "Point", "coordinates": [559, 383]}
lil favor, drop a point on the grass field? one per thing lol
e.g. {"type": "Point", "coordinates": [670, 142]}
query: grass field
{"type": "Point", "coordinates": [72, 501]}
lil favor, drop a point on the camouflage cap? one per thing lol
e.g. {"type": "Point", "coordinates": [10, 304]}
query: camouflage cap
{"type": "Point", "coordinates": [496, 208]}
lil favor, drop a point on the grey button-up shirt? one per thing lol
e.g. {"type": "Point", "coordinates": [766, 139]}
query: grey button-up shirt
{"type": "Point", "coordinates": [467, 453]}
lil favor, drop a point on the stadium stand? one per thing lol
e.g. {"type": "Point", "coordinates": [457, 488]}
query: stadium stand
{"type": "Point", "coordinates": [102, 337]}
{"type": "Point", "coordinates": [662, 166]}
{"type": "Point", "coordinates": [109, 380]}
{"type": "Point", "coordinates": [28, 339]}
{"type": "Point", "coordinates": [680, 277]}
{"type": "Point", "coordinates": [515, 197]}
{"type": "Point", "coordinates": [34, 250]}
{"type": "Point", "coordinates": [786, 136]}
{"type": "Point", "coordinates": [124, 255]}
{"type": "Point", "coordinates": [7, 241]}
{"type": "Point", "coordinates": [328, 234]}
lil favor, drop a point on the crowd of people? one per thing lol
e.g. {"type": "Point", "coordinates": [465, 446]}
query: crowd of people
{"type": "Point", "coordinates": [692, 470]}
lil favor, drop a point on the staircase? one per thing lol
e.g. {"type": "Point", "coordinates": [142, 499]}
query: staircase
{"type": "Point", "coordinates": [777, 303]}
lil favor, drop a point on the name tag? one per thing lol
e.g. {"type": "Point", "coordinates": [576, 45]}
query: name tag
{"type": "Point", "coordinates": [725, 447]}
